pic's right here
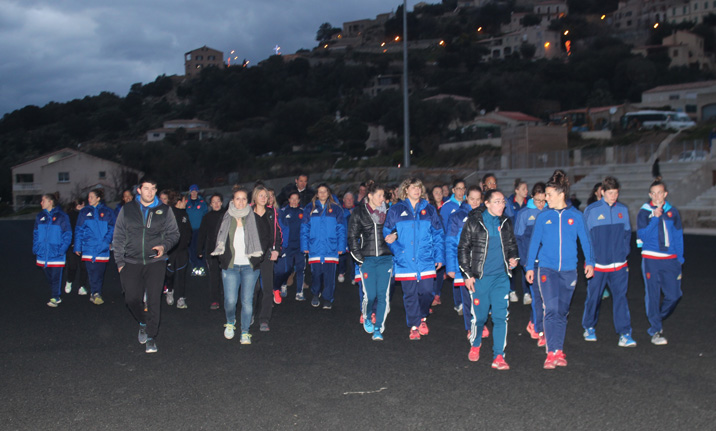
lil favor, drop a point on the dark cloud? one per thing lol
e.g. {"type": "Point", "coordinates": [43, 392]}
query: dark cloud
{"type": "Point", "coordinates": [58, 50]}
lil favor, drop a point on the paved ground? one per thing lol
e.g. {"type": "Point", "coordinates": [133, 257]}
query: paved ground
{"type": "Point", "coordinates": [80, 367]}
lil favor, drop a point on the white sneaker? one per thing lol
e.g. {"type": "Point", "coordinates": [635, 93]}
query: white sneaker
{"type": "Point", "coordinates": [181, 303]}
{"type": "Point", "coordinates": [341, 278]}
{"type": "Point", "coordinates": [458, 309]}
{"type": "Point", "coordinates": [229, 331]}
{"type": "Point", "coordinates": [284, 290]}
{"type": "Point", "coordinates": [170, 297]}
{"type": "Point", "coordinates": [513, 297]}
{"type": "Point", "coordinates": [527, 299]}
{"type": "Point", "coordinates": [68, 287]}
{"type": "Point", "coordinates": [82, 291]}
{"type": "Point", "coordinates": [659, 339]}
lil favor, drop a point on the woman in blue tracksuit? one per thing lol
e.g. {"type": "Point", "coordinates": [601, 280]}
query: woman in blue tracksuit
{"type": "Point", "coordinates": [554, 243]}
{"type": "Point", "coordinates": [93, 235]}
{"type": "Point", "coordinates": [323, 239]}
{"type": "Point", "coordinates": [451, 206]}
{"type": "Point", "coordinates": [524, 226]}
{"type": "Point", "coordinates": [290, 218]}
{"type": "Point", "coordinates": [51, 238]}
{"type": "Point", "coordinates": [415, 234]}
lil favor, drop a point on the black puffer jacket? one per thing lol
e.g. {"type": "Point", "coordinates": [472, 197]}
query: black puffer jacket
{"type": "Point", "coordinates": [472, 248]}
{"type": "Point", "coordinates": [365, 237]}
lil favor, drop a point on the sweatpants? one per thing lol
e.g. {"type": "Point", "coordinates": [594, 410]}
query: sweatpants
{"type": "Point", "coordinates": [537, 315]}
{"type": "Point", "coordinates": [54, 277]}
{"type": "Point", "coordinates": [660, 277]}
{"type": "Point", "coordinates": [327, 273]}
{"type": "Point", "coordinates": [176, 273]}
{"type": "Point", "coordinates": [375, 274]}
{"type": "Point", "coordinates": [491, 291]}
{"type": "Point", "coordinates": [466, 306]}
{"type": "Point", "coordinates": [137, 279]}
{"type": "Point", "coordinates": [556, 288]}
{"type": "Point", "coordinates": [417, 298]}
{"type": "Point", "coordinates": [196, 261]}
{"type": "Point", "coordinates": [618, 282]}
{"type": "Point", "coordinates": [264, 291]}
{"type": "Point", "coordinates": [95, 274]}
{"type": "Point", "coordinates": [346, 265]}
{"type": "Point", "coordinates": [286, 265]}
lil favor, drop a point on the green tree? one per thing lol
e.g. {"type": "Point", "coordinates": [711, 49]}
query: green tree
{"type": "Point", "coordinates": [326, 31]}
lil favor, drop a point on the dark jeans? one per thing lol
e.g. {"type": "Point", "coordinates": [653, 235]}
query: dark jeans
{"type": "Point", "coordinates": [264, 298]}
{"type": "Point", "coordinates": [137, 279]}
{"type": "Point", "coordinates": [176, 273]}
{"type": "Point", "coordinates": [196, 261]}
{"type": "Point", "coordinates": [216, 284]}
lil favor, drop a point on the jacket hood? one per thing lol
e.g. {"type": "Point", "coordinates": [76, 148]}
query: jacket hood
{"type": "Point", "coordinates": [156, 202]}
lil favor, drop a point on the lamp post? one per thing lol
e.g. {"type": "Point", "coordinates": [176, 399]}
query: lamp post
{"type": "Point", "coordinates": [406, 116]}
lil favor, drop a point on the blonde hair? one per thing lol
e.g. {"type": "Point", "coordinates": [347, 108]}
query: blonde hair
{"type": "Point", "coordinates": [255, 193]}
{"type": "Point", "coordinates": [403, 189]}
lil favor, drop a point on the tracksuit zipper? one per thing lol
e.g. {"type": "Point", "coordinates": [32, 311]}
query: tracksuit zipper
{"type": "Point", "coordinates": [560, 240]}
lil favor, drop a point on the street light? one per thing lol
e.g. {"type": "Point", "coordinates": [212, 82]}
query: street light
{"type": "Point", "coordinates": [406, 113]}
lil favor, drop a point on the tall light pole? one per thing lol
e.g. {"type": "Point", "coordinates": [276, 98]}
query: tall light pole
{"type": "Point", "coordinates": [406, 116]}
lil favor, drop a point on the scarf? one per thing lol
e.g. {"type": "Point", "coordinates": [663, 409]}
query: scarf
{"type": "Point", "coordinates": [251, 233]}
{"type": "Point", "coordinates": [378, 214]}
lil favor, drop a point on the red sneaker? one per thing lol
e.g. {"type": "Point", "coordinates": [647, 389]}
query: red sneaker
{"type": "Point", "coordinates": [500, 364]}
{"type": "Point", "coordinates": [277, 296]}
{"type": "Point", "coordinates": [423, 328]}
{"type": "Point", "coordinates": [531, 331]}
{"type": "Point", "coordinates": [560, 359]}
{"type": "Point", "coordinates": [414, 333]}
{"type": "Point", "coordinates": [436, 300]}
{"type": "Point", "coordinates": [551, 362]}
{"type": "Point", "coordinates": [372, 318]}
{"type": "Point", "coordinates": [542, 341]}
{"type": "Point", "coordinates": [485, 332]}
{"type": "Point", "coordinates": [474, 354]}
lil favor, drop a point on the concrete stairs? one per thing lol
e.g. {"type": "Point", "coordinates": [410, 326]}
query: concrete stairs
{"type": "Point", "coordinates": [701, 212]}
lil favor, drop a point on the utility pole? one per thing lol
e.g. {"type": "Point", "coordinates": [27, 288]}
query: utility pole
{"type": "Point", "coordinates": [406, 113]}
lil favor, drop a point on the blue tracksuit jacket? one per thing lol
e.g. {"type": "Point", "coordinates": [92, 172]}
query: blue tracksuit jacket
{"type": "Point", "coordinates": [51, 238]}
{"type": "Point", "coordinates": [323, 232]}
{"type": "Point", "coordinates": [449, 207]}
{"type": "Point", "coordinates": [556, 231]}
{"type": "Point", "coordinates": [609, 234]}
{"type": "Point", "coordinates": [456, 222]}
{"type": "Point", "coordinates": [524, 226]}
{"type": "Point", "coordinates": [290, 220]}
{"type": "Point", "coordinates": [512, 207]}
{"type": "Point", "coordinates": [660, 237]}
{"type": "Point", "coordinates": [94, 232]}
{"type": "Point", "coordinates": [196, 208]}
{"type": "Point", "coordinates": [420, 244]}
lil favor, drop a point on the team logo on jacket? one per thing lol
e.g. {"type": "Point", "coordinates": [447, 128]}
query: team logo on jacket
{"type": "Point", "coordinates": [42, 219]}
{"type": "Point", "coordinates": [198, 206]}
{"type": "Point", "coordinates": [54, 218]}
{"type": "Point", "coordinates": [365, 275]}
{"type": "Point", "coordinates": [476, 301]}
{"type": "Point", "coordinates": [648, 276]}
{"type": "Point", "coordinates": [531, 218]}
{"type": "Point", "coordinates": [570, 221]}
{"type": "Point", "coordinates": [405, 213]}
{"type": "Point", "coordinates": [315, 211]}
{"type": "Point", "coordinates": [183, 219]}
{"type": "Point", "coordinates": [668, 214]}
{"type": "Point", "coordinates": [620, 215]}
{"type": "Point", "coordinates": [549, 222]}
{"type": "Point", "coordinates": [450, 211]}
{"type": "Point", "coordinates": [544, 279]}
{"type": "Point", "coordinates": [423, 212]}
{"type": "Point", "coordinates": [330, 210]}
{"type": "Point", "coordinates": [160, 212]}
{"type": "Point", "coordinates": [288, 215]}
{"type": "Point", "coordinates": [89, 214]}
{"type": "Point", "coordinates": [601, 217]}
{"type": "Point", "coordinates": [299, 216]}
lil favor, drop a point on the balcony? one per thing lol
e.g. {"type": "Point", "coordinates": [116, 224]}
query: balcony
{"type": "Point", "coordinates": [27, 187]}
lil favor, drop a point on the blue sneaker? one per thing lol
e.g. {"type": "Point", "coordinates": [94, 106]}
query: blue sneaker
{"type": "Point", "coordinates": [625, 340]}
{"type": "Point", "coordinates": [377, 336]}
{"type": "Point", "coordinates": [590, 334]}
{"type": "Point", "coordinates": [316, 301]}
{"type": "Point", "coordinates": [368, 326]}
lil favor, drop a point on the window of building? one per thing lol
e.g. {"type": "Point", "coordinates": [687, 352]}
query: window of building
{"type": "Point", "coordinates": [199, 57]}
{"type": "Point", "coordinates": [211, 57]}
{"type": "Point", "coordinates": [673, 97]}
{"type": "Point", "coordinates": [628, 23]}
{"type": "Point", "coordinates": [102, 175]}
{"type": "Point", "coordinates": [691, 109]}
{"type": "Point", "coordinates": [684, 10]}
{"type": "Point", "coordinates": [628, 13]}
{"type": "Point", "coordinates": [63, 177]}
{"type": "Point", "coordinates": [508, 50]}
{"type": "Point", "coordinates": [673, 12]}
{"type": "Point", "coordinates": [24, 178]}
{"type": "Point", "coordinates": [676, 53]}
{"type": "Point", "coordinates": [696, 6]}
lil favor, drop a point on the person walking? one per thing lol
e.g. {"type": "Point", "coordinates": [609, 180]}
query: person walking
{"type": "Point", "coordinates": [51, 237]}
{"type": "Point", "coordinates": [300, 184]}
{"type": "Point", "coordinates": [144, 231]}
{"type": "Point", "coordinates": [207, 243]}
{"type": "Point", "coordinates": [290, 218]}
{"type": "Point", "coordinates": [178, 256]}
{"type": "Point", "coordinates": [345, 261]}
{"type": "Point", "coordinates": [271, 239]}
{"type": "Point", "coordinates": [451, 206]}
{"type": "Point", "coordinates": [74, 263]}
{"type": "Point", "coordinates": [196, 208]}
{"type": "Point", "coordinates": [515, 203]}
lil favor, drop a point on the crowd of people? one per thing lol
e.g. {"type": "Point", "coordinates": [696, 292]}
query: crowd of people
{"type": "Point", "coordinates": [483, 242]}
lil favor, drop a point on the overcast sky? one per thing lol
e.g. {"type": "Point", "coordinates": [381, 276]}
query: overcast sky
{"type": "Point", "coordinates": [59, 50]}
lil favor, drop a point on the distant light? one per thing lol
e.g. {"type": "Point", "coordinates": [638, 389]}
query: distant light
{"type": "Point", "coordinates": [411, 152]}
{"type": "Point", "coordinates": [603, 16]}
{"type": "Point", "coordinates": [382, 44]}
{"type": "Point", "coordinates": [325, 46]}
{"type": "Point", "coordinates": [397, 38]}
{"type": "Point", "coordinates": [479, 29]}
{"type": "Point", "coordinates": [442, 43]}
{"type": "Point", "coordinates": [232, 51]}
{"type": "Point", "coordinates": [546, 45]}
{"type": "Point", "coordinates": [384, 51]}
{"type": "Point", "coordinates": [566, 32]}
{"type": "Point", "coordinates": [656, 25]}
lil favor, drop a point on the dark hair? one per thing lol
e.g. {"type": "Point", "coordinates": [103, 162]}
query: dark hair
{"type": "Point", "coordinates": [330, 195]}
{"type": "Point", "coordinates": [519, 182]}
{"type": "Point", "coordinates": [457, 181]}
{"type": "Point", "coordinates": [238, 188]}
{"type": "Point", "coordinates": [73, 204]}
{"type": "Point", "coordinates": [610, 183]}
{"type": "Point", "coordinates": [538, 188]}
{"type": "Point", "coordinates": [489, 193]}
{"type": "Point", "coordinates": [294, 192]}
{"type": "Point", "coordinates": [126, 190]}
{"type": "Point", "coordinates": [216, 195]}
{"type": "Point", "coordinates": [146, 179]}
{"type": "Point", "coordinates": [474, 188]}
{"type": "Point", "coordinates": [98, 192]}
{"type": "Point", "coordinates": [371, 187]}
{"type": "Point", "coordinates": [172, 196]}
{"type": "Point", "coordinates": [488, 175]}
{"type": "Point", "coordinates": [54, 197]}
{"type": "Point", "coordinates": [302, 174]}
{"type": "Point", "coordinates": [364, 184]}
{"type": "Point", "coordinates": [659, 183]}
{"type": "Point", "coordinates": [559, 181]}
{"type": "Point", "coordinates": [165, 192]}
{"type": "Point", "coordinates": [593, 195]}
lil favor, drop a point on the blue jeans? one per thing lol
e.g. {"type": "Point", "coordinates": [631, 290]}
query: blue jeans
{"type": "Point", "coordinates": [240, 277]}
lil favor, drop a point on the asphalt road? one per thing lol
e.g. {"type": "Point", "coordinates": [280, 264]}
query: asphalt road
{"type": "Point", "coordinates": [80, 367]}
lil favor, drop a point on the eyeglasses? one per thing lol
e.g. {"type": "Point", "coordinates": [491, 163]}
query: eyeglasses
{"type": "Point", "coordinates": [500, 202]}
{"type": "Point", "coordinates": [539, 201]}
{"type": "Point", "coordinates": [459, 188]}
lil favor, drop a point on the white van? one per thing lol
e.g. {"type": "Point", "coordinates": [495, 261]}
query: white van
{"type": "Point", "coordinates": [657, 120]}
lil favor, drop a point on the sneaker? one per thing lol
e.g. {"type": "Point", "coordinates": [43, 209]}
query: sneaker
{"type": "Point", "coordinates": [202, 272]}
{"type": "Point", "coordinates": [656, 339]}
{"type": "Point", "coordinates": [542, 340]}
{"type": "Point", "coordinates": [170, 297]}
{"type": "Point", "coordinates": [284, 290]}
{"type": "Point", "coordinates": [531, 331]}
{"type": "Point", "coordinates": [625, 340]}
{"type": "Point", "coordinates": [368, 326]}
{"type": "Point", "coordinates": [353, 282]}
{"type": "Point", "coordinates": [436, 300]}
{"type": "Point", "coordinates": [527, 299]}
{"type": "Point", "coordinates": [513, 296]}
{"type": "Point", "coordinates": [96, 299]}
{"type": "Point", "coordinates": [214, 306]}
{"type": "Point", "coordinates": [316, 302]}
{"type": "Point", "coordinates": [229, 331]}
{"type": "Point", "coordinates": [458, 309]}
{"type": "Point", "coordinates": [606, 294]}
{"type": "Point", "coordinates": [341, 278]}
{"type": "Point", "coordinates": [377, 336]}
{"type": "Point", "coordinates": [68, 287]}
{"type": "Point", "coordinates": [414, 333]}
{"type": "Point", "coordinates": [82, 291]}
{"type": "Point", "coordinates": [151, 346]}
{"type": "Point", "coordinates": [560, 359]}
{"type": "Point", "coordinates": [485, 332]}
{"type": "Point", "coordinates": [500, 364]}
{"type": "Point", "coordinates": [372, 318]}
{"type": "Point", "coordinates": [423, 328]}
{"type": "Point", "coordinates": [181, 303]}
{"type": "Point", "coordinates": [300, 297]}
{"type": "Point", "coordinates": [327, 305]}
{"type": "Point", "coordinates": [264, 327]}
{"type": "Point", "coordinates": [142, 335]}
{"type": "Point", "coordinates": [194, 272]}
{"type": "Point", "coordinates": [590, 334]}
{"type": "Point", "coordinates": [54, 302]}
{"type": "Point", "coordinates": [277, 297]}
{"type": "Point", "coordinates": [474, 354]}
{"type": "Point", "coordinates": [245, 338]}
{"type": "Point", "coordinates": [361, 319]}
{"type": "Point", "coordinates": [550, 362]}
